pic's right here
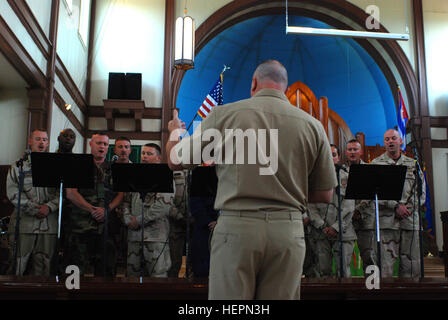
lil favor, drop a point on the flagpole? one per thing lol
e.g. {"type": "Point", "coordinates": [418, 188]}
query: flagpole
{"type": "Point", "coordinates": [222, 80]}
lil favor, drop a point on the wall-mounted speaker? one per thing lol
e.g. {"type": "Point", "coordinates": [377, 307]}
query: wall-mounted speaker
{"type": "Point", "coordinates": [116, 85]}
{"type": "Point", "coordinates": [133, 86]}
{"type": "Point", "coordinates": [125, 86]}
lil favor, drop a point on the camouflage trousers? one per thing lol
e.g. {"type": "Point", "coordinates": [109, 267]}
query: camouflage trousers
{"type": "Point", "coordinates": [390, 244]}
{"type": "Point", "coordinates": [324, 257]}
{"type": "Point", "coordinates": [177, 244]}
{"type": "Point", "coordinates": [156, 256]}
{"type": "Point", "coordinates": [367, 245]}
{"type": "Point", "coordinates": [310, 264]}
{"type": "Point", "coordinates": [409, 254]}
{"type": "Point", "coordinates": [405, 245]}
{"type": "Point", "coordinates": [34, 254]}
{"type": "Point", "coordinates": [86, 250]}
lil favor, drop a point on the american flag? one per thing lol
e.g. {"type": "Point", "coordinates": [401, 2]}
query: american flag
{"type": "Point", "coordinates": [402, 119]}
{"type": "Point", "coordinates": [214, 98]}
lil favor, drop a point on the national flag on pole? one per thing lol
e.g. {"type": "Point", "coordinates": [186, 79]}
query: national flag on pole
{"type": "Point", "coordinates": [214, 98]}
{"type": "Point", "coordinates": [402, 119]}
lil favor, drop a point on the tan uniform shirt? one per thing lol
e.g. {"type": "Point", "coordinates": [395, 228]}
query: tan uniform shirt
{"type": "Point", "coordinates": [387, 217]}
{"type": "Point", "coordinates": [30, 198]}
{"type": "Point", "coordinates": [303, 151]}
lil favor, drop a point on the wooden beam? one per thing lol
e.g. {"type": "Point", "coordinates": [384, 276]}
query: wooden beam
{"type": "Point", "coordinates": [54, 21]}
{"type": "Point", "coordinates": [70, 85]}
{"type": "Point", "coordinates": [25, 15]}
{"type": "Point", "coordinates": [423, 110]}
{"type": "Point", "coordinates": [19, 58]}
{"type": "Point", "coordinates": [90, 49]}
{"type": "Point", "coordinates": [133, 135]}
{"type": "Point", "coordinates": [59, 101]}
{"type": "Point", "coordinates": [167, 73]}
{"type": "Point", "coordinates": [148, 113]}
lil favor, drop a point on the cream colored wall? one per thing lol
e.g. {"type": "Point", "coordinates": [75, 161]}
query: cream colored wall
{"type": "Point", "coordinates": [397, 17]}
{"type": "Point", "coordinates": [129, 37]}
{"type": "Point", "coordinates": [13, 124]}
{"type": "Point", "coordinates": [22, 34]}
{"type": "Point", "coordinates": [435, 17]}
{"type": "Point", "coordinates": [70, 48]}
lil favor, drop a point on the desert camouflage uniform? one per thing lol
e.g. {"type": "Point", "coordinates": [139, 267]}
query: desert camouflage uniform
{"type": "Point", "coordinates": [157, 209]}
{"type": "Point", "coordinates": [326, 215]}
{"type": "Point", "coordinates": [365, 232]}
{"type": "Point", "coordinates": [178, 224]}
{"type": "Point", "coordinates": [310, 264]}
{"type": "Point", "coordinates": [85, 236]}
{"type": "Point", "coordinates": [399, 238]}
{"type": "Point", "coordinates": [37, 237]}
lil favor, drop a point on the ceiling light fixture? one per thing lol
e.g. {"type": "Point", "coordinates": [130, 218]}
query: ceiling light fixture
{"type": "Point", "coordinates": [343, 33]}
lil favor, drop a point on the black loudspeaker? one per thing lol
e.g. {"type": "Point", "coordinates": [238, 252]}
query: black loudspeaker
{"type": "Point", "coordinates": [133, 86]}
{"type": "Point", "coordinates": [116, 89]}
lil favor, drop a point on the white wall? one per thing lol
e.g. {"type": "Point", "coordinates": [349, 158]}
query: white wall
{"type": "Point", "coordinates": [22, 34]}
{"type": "Point", "coordinates": [13, 124]}
{"type": "Point", "coordinates": [129, 37]}
{"type": "Point", "coordinates": [70, 47]}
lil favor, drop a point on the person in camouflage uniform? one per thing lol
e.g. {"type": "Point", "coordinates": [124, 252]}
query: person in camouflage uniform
{"type": "Point", "coordinates": [310, 264]}
{"type": "Point", "coordinates": [363, 217]}
{"type": "Point", "coordinates": [85, 246]}
{"type": "Point", "coordinates": [399, 220]}
{"type": "Point", "coordinates": [178, 224]}
{"type": "Point", "coordinates": [158, 207]}
{"type": "Point", "coordinates": [66, 142]}
{"type": "Point", "coordinates": [324, 234]}
{"type": "Point", "coordinates": [38, 223]}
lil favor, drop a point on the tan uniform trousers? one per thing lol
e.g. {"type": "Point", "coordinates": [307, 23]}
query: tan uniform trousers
{"type": "Point", "coordinates": [256, 255]}
{"type": "Point", "coordinates": [34, 254]}
{"type": "Point", "coordinates": [403, 244]}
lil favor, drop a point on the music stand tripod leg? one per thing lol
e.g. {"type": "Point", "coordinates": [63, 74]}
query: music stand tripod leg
{"type": "Point", "coordinates": [58, 247]}
{"type": "Point", "coordinates": [142, 255]}
{"type": "Point", "coordinates": [378, 239]}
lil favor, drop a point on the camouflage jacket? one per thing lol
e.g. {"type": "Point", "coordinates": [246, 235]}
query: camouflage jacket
{"type": "Point", "coordinates": [30, 198]}
{"type": "Point", "coordinates": [326, 214]}
{"type": "Point", "coordinates": [157, 207]}
{"type": "Point", "coordinates": [387, 217]}
{"type": "Point", "coordinates": [81, 221]}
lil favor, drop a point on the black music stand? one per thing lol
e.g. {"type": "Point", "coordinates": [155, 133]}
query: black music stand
{"type": "Point", "coordinates": [63, 170]}
{"type": "Point", "coordinates": [202, 182]}
{"type": "Point", "coordinates": [376, 182]}
{"type": "Point", "coordinates": [142, 178]}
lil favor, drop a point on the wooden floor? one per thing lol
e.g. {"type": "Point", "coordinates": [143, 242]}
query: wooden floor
{"type": "Point", "coordinates": [433, 286]}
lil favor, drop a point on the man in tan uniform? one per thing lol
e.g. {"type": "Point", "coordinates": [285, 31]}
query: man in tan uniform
{"type": "Point", "coordinates": [258, 247]}
{"type": "Point", "coordinates": [38, 216]}
{"type": "Point", "coordinates": [399, 219]}
{"type": "Point", "coordinates": [363, 217]}
{"type": "Point", "coordinates": [324, 235]}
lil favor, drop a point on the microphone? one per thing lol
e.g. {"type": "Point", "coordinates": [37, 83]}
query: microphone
{"type": "Point", "coordinates": [338, 167]}
{"type": "Point", "coordinates": [25, 156]}
{"type": "Point", "coordinates": [114, 158]}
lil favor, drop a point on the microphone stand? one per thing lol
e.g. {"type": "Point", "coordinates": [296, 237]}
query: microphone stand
{"type": "Point", "coordinates": [19, 164]}
{"type": "Point", "coordinates": [338, 192]}
{"type": "Point", "coordinates": [187, 231]}
{"type": "Point", "coordinates": [419, 194]}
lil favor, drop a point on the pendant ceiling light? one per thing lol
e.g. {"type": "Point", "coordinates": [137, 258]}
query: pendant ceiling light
{"type": "Point", "coordinates": [184, 42]}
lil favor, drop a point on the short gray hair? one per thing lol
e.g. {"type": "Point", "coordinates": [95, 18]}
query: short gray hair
{"type": "Point", "coordinates": [272, 70]}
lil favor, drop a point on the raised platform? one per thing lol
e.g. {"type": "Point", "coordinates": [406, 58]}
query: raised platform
{"type": "Point", "coordinates": [33, 288]}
